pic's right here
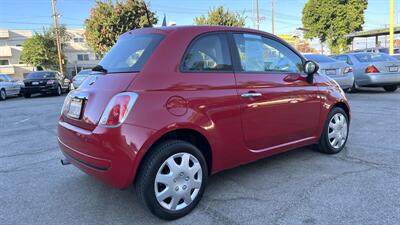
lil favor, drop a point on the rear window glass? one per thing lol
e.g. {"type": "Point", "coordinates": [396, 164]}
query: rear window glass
{"type": "Point", "coordinates": [319, 58]}
{"type": "Point", "coordinates": [368, 57]}
{"type": "Point", "coordinates": [40, 75]}
{"type": "Point", "coordinates": [130, 53]}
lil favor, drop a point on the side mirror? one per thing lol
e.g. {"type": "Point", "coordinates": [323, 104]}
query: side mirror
{"type": "Point", "coordinates": [310, 67]}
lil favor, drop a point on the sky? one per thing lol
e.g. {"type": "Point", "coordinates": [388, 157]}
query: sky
{"type": "Point", "coordinates": [36, 14]}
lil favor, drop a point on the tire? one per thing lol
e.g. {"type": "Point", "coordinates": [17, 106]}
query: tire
{"type": "Point", "coordinates": [3, 95]}
{"type": "Point", "coordinates": [181, 183]}
{"type": "Point", "coordinates": [353, 88]}
{"type": "Point", "coordinates": [390, 88]}
{"type": "Point", "coordinates": [330, 132]}
{"type": "Point", "coordinates": [58, 91]}
{"type": "Point", "coordinates": [27, 95]}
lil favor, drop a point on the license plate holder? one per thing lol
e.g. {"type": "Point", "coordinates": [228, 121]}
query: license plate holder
{"type": "Point", "coordinates": [330, 72]}
{"type": "Point", "coordinates": [75, 108]}
{"type": "Point", "coordinates": [393, 69]}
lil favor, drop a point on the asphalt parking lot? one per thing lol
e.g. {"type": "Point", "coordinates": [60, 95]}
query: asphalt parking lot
{"type": "Point", "coordinates": [361, 185]}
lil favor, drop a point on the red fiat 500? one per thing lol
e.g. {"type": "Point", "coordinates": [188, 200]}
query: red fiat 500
{"type": "Point", "coordinates": [170, 106]}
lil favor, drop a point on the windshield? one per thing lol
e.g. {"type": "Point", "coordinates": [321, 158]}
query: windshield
{"type": "Point", "coordinates": [41, 75]}
{"type": "Point", "coordinates": [319, 58]}
{"type": "Point", "coordinates": [370, 57]}
{"type": "Point", "coordinates": [130, 53]}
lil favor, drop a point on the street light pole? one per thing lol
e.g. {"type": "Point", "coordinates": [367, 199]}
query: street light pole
{"type": "Point", "coordinates": [273, 17]}
{"type": "Point", "coordinates": [391, 29]}
{"type": "Point", "coordinates": [57, 37]}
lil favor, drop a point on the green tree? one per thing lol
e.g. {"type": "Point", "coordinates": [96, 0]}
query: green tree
{"type": "Point", "coordinates": [41, 48]}
{"type": "Point", "coordinates": [331, 20]}
{"type": "Point", "coordinates": [220, 16]}
{"type": "Point", "coordinates": [107, 21]}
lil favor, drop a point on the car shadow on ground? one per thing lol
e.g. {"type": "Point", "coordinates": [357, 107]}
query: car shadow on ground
{"type": "Point", "coordinates": [377, 90]}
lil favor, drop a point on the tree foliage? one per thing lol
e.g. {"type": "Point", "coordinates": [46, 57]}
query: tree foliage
{"type": "Point", "coordinates": [331, 20]}
{"type": "Point", "coordinates": [220, 16]}
{"type": "Point", "coordinates": [108, 20]}
{"type": "Point", "coordinates": [41, 48]}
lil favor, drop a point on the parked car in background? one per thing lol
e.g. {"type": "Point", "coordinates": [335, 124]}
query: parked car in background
{"type": "Point", "coordinates": [377, 50]}
{"type": "Point", "coordinates": [46, 82]}
{"type": "Point", "coordinates": [175, 104]}
{"type": "Point", "coordinates": [396, 56]}
{"type": "Point", "coordinates": [373, 70]}
{"type": "Point", "coordinates": [341, 72]}
{"type": "Point", "coordinates": [81, 76]}
{"type": "Point", "coordinates": [8, 87]}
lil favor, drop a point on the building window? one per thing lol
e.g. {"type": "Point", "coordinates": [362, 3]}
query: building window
{"type": "Point", "coordinates": [4, 62]}
{"type": "Point", "coordinates": [83, 57]}
{"type": "Point", "coordinates": [78, 40]}
{"type": "Point", "coordinates": [3, 43]}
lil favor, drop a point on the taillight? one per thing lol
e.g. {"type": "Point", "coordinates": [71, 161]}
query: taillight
{"type": "Point", "coordinates": [51, 81]}
{"type": "Point", "coordinates": [371, 69]}
{"type": "Point", "coordinates": [118, 109]}
{"type": "Point", "coordinates": [348, 70]}
{"type": "Point", "coordinates": [67, 101]}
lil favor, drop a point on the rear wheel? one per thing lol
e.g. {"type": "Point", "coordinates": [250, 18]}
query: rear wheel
{"type": "Point", "coordinates": [27, 95]}
{"type": "Point", "coordinates": [58, 91]}
{"type": "Point", "coordinates": [335, 133]}
{"type": "Point", "coordinates": [172, 179]}
{"type": "Point", "coordinates": [353, 88]}
{"type": "Point", "coordinates": [3, 95]}
{"type": "Point", "coordinates": [390, 88]}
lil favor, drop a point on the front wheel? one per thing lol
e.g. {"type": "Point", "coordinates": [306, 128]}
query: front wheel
{"type": "Point", "coordinates": [58, 91]}
{"type": "Point", "coordinates": [172, 179]}
{"type": "Point", "coordinates": [390, 88]}
{"type": "Point", "coordinates": [335, 133]}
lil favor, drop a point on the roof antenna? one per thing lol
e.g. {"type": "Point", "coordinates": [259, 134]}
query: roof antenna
{"type": "Point", "coordinates": [147, 15]}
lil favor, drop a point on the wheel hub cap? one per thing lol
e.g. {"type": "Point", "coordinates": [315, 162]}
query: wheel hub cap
{"type": "Point", "coordinates": [178, 181]}
{"type": "Point", "coordinates": [337, 130]}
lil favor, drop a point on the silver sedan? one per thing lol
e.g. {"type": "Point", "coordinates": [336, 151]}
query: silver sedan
{"type": "Point", "coordinates": [341, 72]}
{"type": "Point", "coordinates": [373, 70]}
{"type": "Point", "coordinates": [8, 87]}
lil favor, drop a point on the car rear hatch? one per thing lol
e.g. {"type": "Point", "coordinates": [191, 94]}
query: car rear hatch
{"type": "Point", "coordinates": [116, 71]}
{"type": "Point", "coordinates": [94, 95]}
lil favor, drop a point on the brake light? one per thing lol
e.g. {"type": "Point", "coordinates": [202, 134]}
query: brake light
{"type": "Point", "coordinates": [51, 81]}
{"type": "Point", "coordinates": [118, 109]}
{"type": "Point", "coordinates": [348, 70]}
{"type": "Point", "coordinates": [371, 69]}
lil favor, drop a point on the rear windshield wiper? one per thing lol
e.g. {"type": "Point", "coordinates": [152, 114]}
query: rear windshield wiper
{"type": "Point", "coordinates": [99, 68]}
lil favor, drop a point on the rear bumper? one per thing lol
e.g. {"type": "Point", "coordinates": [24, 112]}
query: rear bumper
{"type": "Point", "coordinates": [109, 154]}
{"type": "Point", "coordinates": [39, 89]}
{"type": "Point", "coordinates": [345, 81]}
{"type": "Point", "coordinates": [380, 79]}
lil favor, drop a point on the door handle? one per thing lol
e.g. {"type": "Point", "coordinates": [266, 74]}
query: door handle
{"type": "Point", "coordinates": [251, 95]}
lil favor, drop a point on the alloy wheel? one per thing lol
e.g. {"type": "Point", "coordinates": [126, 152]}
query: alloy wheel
{"type": "Point", "coordinates": [337, 130]}
{"type": "Point", "coordinates": [178, 181]}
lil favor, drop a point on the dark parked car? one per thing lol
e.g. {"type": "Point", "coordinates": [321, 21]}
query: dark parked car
{"type": "Point", "coordinates": [174, 105]}
{"type": "Point", "coordinates": [46, 82]}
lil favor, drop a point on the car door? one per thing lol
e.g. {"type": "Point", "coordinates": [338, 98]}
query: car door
{"type": "Point", "coordinates": [278, 105]}
{"type": "Point", "coordinates": [4, 83]}
{"type": "Point", "coordinates": [13, 86]}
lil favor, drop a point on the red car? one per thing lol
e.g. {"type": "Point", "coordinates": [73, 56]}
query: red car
{"type": "Point", "coordinates": [170, 106]}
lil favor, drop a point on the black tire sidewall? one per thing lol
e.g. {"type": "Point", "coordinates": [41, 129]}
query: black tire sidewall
{"type": "Point", "coordinates": [390, 88]}
{"type": "Point", "coordinates": [324, 144]}
{"type": "Point", "coordinates": [1, 95]}
{"type": "Point", "coordinates": [148, 173]}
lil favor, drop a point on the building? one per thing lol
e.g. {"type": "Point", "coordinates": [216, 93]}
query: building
{"type": "Point", "coordinates": [10, 51]}
{"type": "Point", "coordinates": [79, 54]}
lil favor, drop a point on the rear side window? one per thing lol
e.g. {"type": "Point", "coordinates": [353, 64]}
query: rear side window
{"type": "Point", "coordinates": [343, 58]}
{"type": "Point", "coordinates": [207, 54]}
{"type": "Point", "coordinates": [259, 54]}
{"type": "Point", "coordinates": [130, 53]}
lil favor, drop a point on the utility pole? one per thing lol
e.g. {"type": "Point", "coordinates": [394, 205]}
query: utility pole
{"type": "Point", "coordinates": [55, 15]}
{"type": "Point", "coordinates": [391, 28]}
{"type": "Point", "coordinates": [273, 15]}
{"type": "Point", "coordinates": [258, 16]}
